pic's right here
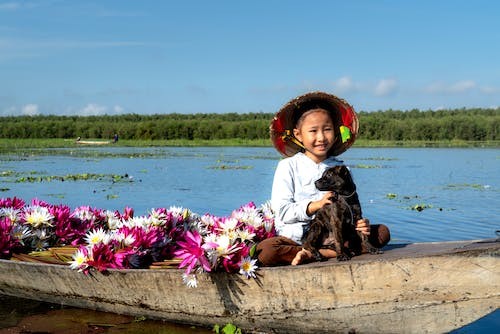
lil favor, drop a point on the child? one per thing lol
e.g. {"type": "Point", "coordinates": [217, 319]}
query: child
{"type": "Point", "coordinates": [310, 130]}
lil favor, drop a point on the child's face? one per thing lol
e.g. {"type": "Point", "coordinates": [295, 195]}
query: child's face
{"type": "Point", "coordinates": [316, 132]}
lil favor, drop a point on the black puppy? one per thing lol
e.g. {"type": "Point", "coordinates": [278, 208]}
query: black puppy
{"type": "Point", "coordinates": [336, 223]}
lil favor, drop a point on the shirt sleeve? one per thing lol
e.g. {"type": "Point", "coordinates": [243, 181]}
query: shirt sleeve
{"type": "Point", "coordinates": [287, 210]}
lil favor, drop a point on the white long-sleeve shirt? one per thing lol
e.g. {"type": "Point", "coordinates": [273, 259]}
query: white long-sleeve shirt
{"type": "Point", "coordinates": [293, 189]}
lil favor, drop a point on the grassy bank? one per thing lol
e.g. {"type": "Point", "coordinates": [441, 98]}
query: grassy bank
{"type": "Point", "coordinates": [8, 145]}
{"type": "Point", "coordinates": [427, 143]}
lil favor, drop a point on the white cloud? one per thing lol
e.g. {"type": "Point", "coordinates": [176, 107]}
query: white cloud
{"type": "Point", "coordinates": [10, 6]}
{"type": "Point", "coordinates": [462, 86]}
{"type": "Point", "coordinates": [386, 87]}
{"type": "Point", "coordinates": [93, 109]}
{"type": "Point", "coordinates": [435, 87]}
{"type": "Point", "coordinates": [490, 90]}
{"type": "Point", "coordinates": [454, 88]}
{"type": "Point", "coordinates": [345, 85]}
{"type": "Point", "coordinates": [118, 110]}
{"type": "Point", "coordinates": [19, 49]}
{"type": "Point", "coordinates": [30, 110]}
{"type": "Point", "coordinates": [23, 5]}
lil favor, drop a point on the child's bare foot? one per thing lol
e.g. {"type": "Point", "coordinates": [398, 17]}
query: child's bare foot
{"type": "Point", "coordinates": [302, 256]}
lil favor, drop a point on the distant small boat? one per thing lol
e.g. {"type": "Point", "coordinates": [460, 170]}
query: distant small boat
{"type": "Point", "coordinates": [432, 287]}
{"type": "Point", "coordinates": [93, 142]}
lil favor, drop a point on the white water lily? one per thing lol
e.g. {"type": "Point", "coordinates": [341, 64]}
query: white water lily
{"type": "Point", "coordinates": [157, 217]}
{"type": "Point", "coordinates": [207, 220]}
{"type": "Point", "coordinates": [225, 246]}
{"type": "Point", "coordinates": [84, 213]}
{"type": "Point", "coordinates": [42, 234]}
{"type": "Point", "coordinates": [267, 210]}
{"type": "Point", "coordinates": [210, 238]}
{"type": "Point", "coordinates": [177, 213]}
{"type": "Point", "coordinates": [268, 225]}
{"type": "Point", "coordinates": [13, 214]}
{"type": "Point", "coordinates": [79, 260]}
{"type": "Point", "coordinates": [248, 267]}
{"type": "Point", "coordinates": [190, 280]}
{"type": "Point", "coordinates": [228, 225]}
{"type": "Point", "coordinates": [96, 236]}
{"type": "Point", "coordinates": [249, 216]}
{"type": "Point", "coordinates": [139, 221]}
{"type": "Point", "coordinates": [114, 223]}
{"type": "Point", "coordinates": [123, 239]}
{"type": "Point", "coordinates": [37, 216]}
{"type": "Point", "coordinates": [39, 244]}
{"type": "Point", "coordinates": [245, 235]}
{"type": "Point", "coordinates": [21, 232]}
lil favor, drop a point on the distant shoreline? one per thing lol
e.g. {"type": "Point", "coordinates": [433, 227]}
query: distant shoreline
{"type": "Point", "coordinates": [9, 145]}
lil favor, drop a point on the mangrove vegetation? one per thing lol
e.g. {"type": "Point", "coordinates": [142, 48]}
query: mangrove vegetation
{"type": "Point", "coordinates": [390, 125]}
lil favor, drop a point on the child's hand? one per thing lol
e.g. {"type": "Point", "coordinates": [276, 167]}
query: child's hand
{"type": "Point", "coordinates": [363, 225]}
{"type": "Point", "coordinates": [316, 205]}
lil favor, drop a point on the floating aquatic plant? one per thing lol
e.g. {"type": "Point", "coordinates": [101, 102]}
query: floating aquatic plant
{"type": "Point", "coordinates": [378, 159]}
{"type": "Point", "coordinates": [74, 177]}
{"type": "Point", "coordinates": [37, 177]}
{"type": "Point", "coordinates": [421, 207]}
{"type": "Point", "coordinates": [365, 166]}
{"type": "Point", "coordinates": [224, 166]}
{"type": "Point", "coordinates": [467, 185]}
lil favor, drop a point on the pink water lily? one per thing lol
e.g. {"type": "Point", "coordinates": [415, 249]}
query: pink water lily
{"type": "Point", "coordinates": [102, 257]}
{"type": "Point", "coordinates": [232, 262]}
{"type": "Point", "coordinates": [142, 238]}
{"type": "Point", "coordinates": [192, 252]}
{"type": "Point", "coordinates": [127, 213]}
{"type": "Point", "coordinates": [13, 202]}
{"type": "Point", "coordinates": [203, 243]}
{"type": "Point", "coordinates": [8, 242]}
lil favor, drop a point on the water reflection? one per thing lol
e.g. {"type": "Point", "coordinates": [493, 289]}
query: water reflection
{"type": "Point", "coordinates": [19, 315]}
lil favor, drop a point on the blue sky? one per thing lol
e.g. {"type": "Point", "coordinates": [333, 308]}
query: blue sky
{"type": "Point", "coordinates": [112, 57]}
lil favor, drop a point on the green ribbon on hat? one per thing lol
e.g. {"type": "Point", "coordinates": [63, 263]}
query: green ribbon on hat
{"type": "Point", "coordinates": [345, 133]}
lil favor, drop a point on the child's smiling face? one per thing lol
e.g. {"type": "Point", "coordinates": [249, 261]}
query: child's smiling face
{"type": "Point", "coordinates": [315, 130]}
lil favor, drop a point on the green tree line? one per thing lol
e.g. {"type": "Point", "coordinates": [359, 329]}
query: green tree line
{"type": "Point", "coordinates": [459, 124]}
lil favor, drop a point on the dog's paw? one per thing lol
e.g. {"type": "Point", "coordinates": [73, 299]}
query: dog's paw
{"type": "Point", "coordinates": [343, 257]}
{"type": "Point", "coordinates": [374, 251]}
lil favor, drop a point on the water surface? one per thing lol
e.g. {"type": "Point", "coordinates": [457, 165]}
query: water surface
{"type": "Point", "coordinates": [421, 194]}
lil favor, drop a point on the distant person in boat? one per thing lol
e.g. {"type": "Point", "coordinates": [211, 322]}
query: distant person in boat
{"type": "Point", "coordinates": [310, 131]}
{"type": "Point", "coordinates": [115, 138]}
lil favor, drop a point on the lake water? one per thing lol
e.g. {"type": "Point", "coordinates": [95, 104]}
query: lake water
{"type": "Point", "coordinates": [430, 194]}
{"type": "Point", "coordinates": [458, 189]}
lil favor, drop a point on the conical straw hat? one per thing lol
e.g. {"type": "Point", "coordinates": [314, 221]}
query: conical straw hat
{"type": "Point", "coordinates": [343, 116]}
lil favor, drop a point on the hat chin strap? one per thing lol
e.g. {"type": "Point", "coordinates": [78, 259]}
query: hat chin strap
{"type": "Point", "coordinates": [288, 136]}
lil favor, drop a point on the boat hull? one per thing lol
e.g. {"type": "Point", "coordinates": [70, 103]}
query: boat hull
{"type": "Point", "coordinates": [427, 287]}
{"type": "Point", "coordinates": [92, 142]}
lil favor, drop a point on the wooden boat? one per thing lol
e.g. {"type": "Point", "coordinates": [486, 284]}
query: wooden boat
{"type": "Point", "coordinates": [92, 142]}
{"type": "Point", "coordinates": [411, 288]}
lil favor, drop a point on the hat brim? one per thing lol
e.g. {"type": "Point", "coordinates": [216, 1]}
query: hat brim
{"type": "Point", "coordinates": [343, 116]}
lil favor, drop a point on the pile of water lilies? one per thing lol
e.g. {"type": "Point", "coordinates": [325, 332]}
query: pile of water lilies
{"type": "Point", "coordinates": [101, 239]}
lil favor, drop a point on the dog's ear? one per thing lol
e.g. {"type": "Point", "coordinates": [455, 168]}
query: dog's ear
{"type": "Point", "coordinates": [342, 171]}
{"type": "Point", "coordinates": [338, 170]}
{"type": "Point", "coordinates": [347, 177]}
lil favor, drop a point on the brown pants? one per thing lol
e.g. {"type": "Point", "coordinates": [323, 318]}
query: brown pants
{"type": "Point", "coordinates": [280, 250]}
